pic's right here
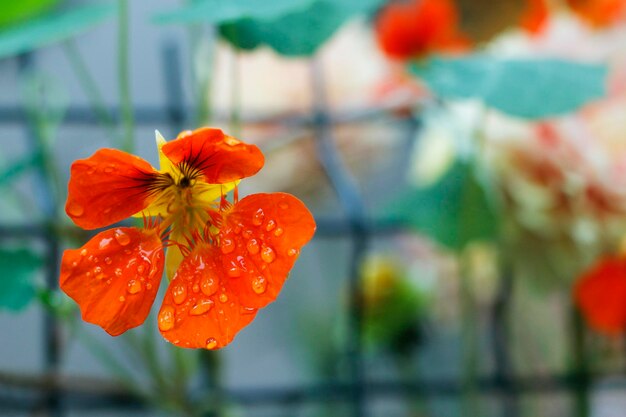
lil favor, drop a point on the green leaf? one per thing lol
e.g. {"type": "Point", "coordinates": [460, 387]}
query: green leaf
{"type": "Point", "coordinates": [222, 11]}
{"type": "Point", "coordinates": [15, 11]}
{"type": "Point", "coordinates": [528, 88]}
{"type": "Point", "coordinates": [453, 211]}
{"type": "Point", "coordinates": [297, 33]}
{"type": "Point", "coordinates": [17, 274]}
{"type": "Point", "coordinates": [51, 28]}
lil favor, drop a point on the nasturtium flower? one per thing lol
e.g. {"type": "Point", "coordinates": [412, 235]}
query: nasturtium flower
{"type": "Point", "coordinates": [225, 260]}
{"type": "Point", "coordinates": [599, 13]}
{"type": "Point", "coordinates": [415, 28]}
{"type": "Point", "coordinates": [600, 294]}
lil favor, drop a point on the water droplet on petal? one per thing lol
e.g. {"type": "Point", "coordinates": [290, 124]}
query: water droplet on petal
{"type": "Point", "coordinates": [257, 218]}
{"type": "Point", "coordinates": [283, 206]}
{"type": "Point", "coordinates": [134, 286]}
{"type": "Point", "coordinates": [148, 286]}
{"type": "Point", "coordinates": [109, 169]}
{"type": "Point", "coordinates": [208, 286]}
{"type": "Point", "coordinates": [267, 254]}
{"type": "Point", "coordinates": [259, 285]}
{"type": "Point", "coordinates": [223, 298]}
{"type": "Point", "coordinates": [75, 209]}
{"type": "Point", "coordinates": [211, 343]}
{"type": "Point", "coordinates": [107, 260]}
{"type": "Point", "coordinates": [292, 252]}
{"type": "Point", "coordinates": [247, 234]}
{"type": "Point", "coordinates": [195, 288]}
{"type": "Point", "coordinates": [253, 246]}
{"type": "Point", "coordinates": [121, 237]}
{"type": "Point", "coordinates": [97, 270]}
{"type": "Point", "coordinates": [83, 252]}
{"type": "Point", "coordinates": [270, 225]}
{"type": "Point", "coordinates": [179, 293]}
{"type": "Point", "coordinates": [118, 272]}
{"type": "Point", "coordinates": [74, 264]}
{"type": "Point", "coordinates": [122, 298]}
{"type": "Point", "coordinates": [228, 245]}
{"type": "Point", "coordinates": [234, 272]}
{"type": "Point", "coordinates": [248, 310]}
{"type": "Point", "coordinates": [141, 269]}
{"type": "Point", "coordinates": [278, 232]}
{"type": "Point", "coordinates": [201, 307]}
{"type": "Point", "coordinates": [166, 318]}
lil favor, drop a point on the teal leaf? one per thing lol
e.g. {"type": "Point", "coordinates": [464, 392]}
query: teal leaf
{"type": "Point", "coordinates": [51, 28]}
{"type": "Point", "coordinates": [454, 211]}
{"type": "Point", "coordinates": [222, 11]}
{"type": "Point", "coordinates": [297, 33]}
{"type": "Point", "coordinates": [528, 88]}
{"type": "Point", "coordinates": [17, 276]}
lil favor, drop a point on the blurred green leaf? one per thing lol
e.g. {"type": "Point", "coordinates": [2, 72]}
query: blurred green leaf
{"type": "Point", "coordinates": [50, 28]}
{"type": "Point", "coordinates": [222, 11]}
{"type": "Point", "coordinates": [20, 166]}
{"type": "Point", "coordinates": [297, 33]}
{"type": "Point", "coordinates": [531, 88]}
{"type": "Point", "coordinates": [454, 211]}
{"type": "Point", "coordinates": [14, 11]}
{"type": "Point", "coordinates": [17, 274]}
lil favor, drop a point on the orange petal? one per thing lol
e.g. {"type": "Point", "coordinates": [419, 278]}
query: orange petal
{"type": "Point", "coordinates": [535, 17]}
{"type": "Point", "coordinates": [260, 240]}
{"type": "Point", "coordinates": [199, 309]}
{"type": "Point", "coordinates": [107, 187]}
{"type": "Point", "coordinates": [114, 277]}
{"type": "Point", "coordinates": [600, 293]}
{"type": "Point", "coordinates": [220, 158]}
{"type": "Point", "coordinates": [599, 12]}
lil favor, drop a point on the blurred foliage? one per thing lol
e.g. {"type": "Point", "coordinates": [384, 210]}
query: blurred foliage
{"type": "Point", "coordinates": [454, 211]}
{"type": "Point", "coordinates": [52, 27]}
{"type": "Point", "coordinates": [20, 166]}
{"type": "Point", "coordinates": [18, 269]}
{"type": "Point", "coordinates": [16, 11]}
{"type": "Point", "coordinates": [532, 88]}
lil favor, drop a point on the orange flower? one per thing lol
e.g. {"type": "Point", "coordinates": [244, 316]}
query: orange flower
{"type": "Point", "coordinates": [599, 12]}
{"type": "Point", "coordinates": [415, 28]}
{"type": "Point", "coordinates": [237, 255]}
{"type": "Point", "coordinates": [535, 16]}
{"type": "Point", "coordinates": [600, 293]}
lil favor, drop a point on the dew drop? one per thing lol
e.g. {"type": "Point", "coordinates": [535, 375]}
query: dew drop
{"type": "Point", "coordinates": [278, 232]}
{"type": "Point", "coordinates": [228, 245]}
{"type": "Point", "coordinates": [109, 169]}
{"type": "Point", "coordinates": [247, 310]}
{"type": "Point", "coordinates": [201, 307]}
{"type": "Point", "coordinates": [148, 286]}
{"type": "Point", "coordinates": [134, 286]}
{"type": "Point", "coordinates": [83, 252]}
{"type": "Point", "coordinates": [253, 247]}
{"type": "Point", "coordinates": [141, 269]}
{"type": "Point", "coordinates": [91, 170]}
{"type": "Point", "coordinates": [283, 206]}
{"type": "Point", "coordinates": [122, 298]}
{"type": "Point", "coordinates": [166, 318]}
{"type": "Point", "coordinates": [292, 252]}
{"type": "Point", "coordinates": [88, 274]}
{"type": "Point", "coordinates": [74, 264]}
{"type": "Point", "coordinates": [75, 209]}
{"type": "Point", "coordinates": [211, 343]}
{"type": "Point", "coordinates": [208, 286]}
{"type": "Point", "coordinates": [257, 218]}
{"type": "Point", "coordinates": [97, 270]}
{"type": "Point", "coordinates": [259, 285]}
{"type": "Point", "coordinates": [107, 260]}
{"type": "Point", "coordinates": [271, 225]}
{"type": "Point", "coordinates": [195, 288]}
{"type": "Point", "coordinates": [247, 234]}
{"type": "Point", "coordinates": [234, 272]}
{"type": "Point", "coordinates": [118, 272]}
{"type": "Point", "coordinates": [179, 293]}
{"type": "Point", "coordinates": [223, 298]}
{"type": "Point", "coordinates": [121, 237]}
{"type": "Point", "coordinates": [267, 254]}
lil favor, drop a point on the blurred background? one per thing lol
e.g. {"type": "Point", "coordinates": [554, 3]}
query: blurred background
{"type": "Point", "coordinates": [465, 162]}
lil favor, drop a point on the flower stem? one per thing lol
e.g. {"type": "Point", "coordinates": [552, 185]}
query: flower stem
{"type": "Point", "coordinates": [127, 142]}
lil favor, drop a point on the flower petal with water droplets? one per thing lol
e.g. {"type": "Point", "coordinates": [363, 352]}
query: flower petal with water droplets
{"type": "Point", "coordinates": [114, 277]}
{"type": "Point", "coordinates": [199, 310]}
{"type": "Point", "coordinates": [264, 233]}
{"type": "Point", "coordinates": [110, 186]}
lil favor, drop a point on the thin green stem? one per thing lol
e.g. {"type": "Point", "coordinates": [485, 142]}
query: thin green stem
{"type": "Point", "coordinates": [582, 406]}
{"type": "Point", "coordinates": [123, 73]}
{"type": "Point", "coordinates": [89, 86]}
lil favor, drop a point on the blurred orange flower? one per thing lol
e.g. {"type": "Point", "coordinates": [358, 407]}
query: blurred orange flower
{"type": "Point", "coordinates": [535, 16]}
{"type": "Point", "coordinates": [599, 12]}
{"type": "Point", "coordinates": [415, 28]}
{"type": "Point", "coordinates": [237, 255]}
{"type": "Point", "coordinates": [600, 293]}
